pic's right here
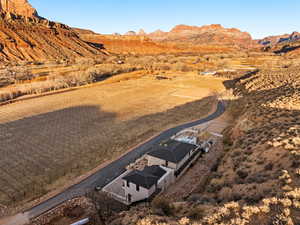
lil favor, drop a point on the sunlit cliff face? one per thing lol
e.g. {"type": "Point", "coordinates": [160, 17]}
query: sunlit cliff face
{"type": "Point", "coordinates": [19, 7]}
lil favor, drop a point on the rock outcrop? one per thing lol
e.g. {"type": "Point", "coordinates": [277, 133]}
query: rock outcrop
{"type": "Point", "coordinates": [273, 40]}
{"type": "Point", "coordinates": [213, 34]}
{"type": "Point", "coordinates": [25, 36]}
{"type": "Point", "coordinates": [288, 44]}
{"type": "Point", "coordinates": [19, 7]}
{"type": "Point", "coordinates": [142, 32]}
{"type": "Point", "coordinates": [130, 33]}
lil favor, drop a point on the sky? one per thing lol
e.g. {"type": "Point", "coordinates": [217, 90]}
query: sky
{"type": "Point", "coordinates": [260, 18]}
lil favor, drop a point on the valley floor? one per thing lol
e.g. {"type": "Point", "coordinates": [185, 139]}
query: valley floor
{"type": "Point", "coordinates": [50, 140]}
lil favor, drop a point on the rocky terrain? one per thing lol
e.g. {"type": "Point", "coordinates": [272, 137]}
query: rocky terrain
{"type": "Point", "coordinates": [273, 40]}
{"type": "Point", "coordinates": [67, 213]}
{"type": "Point", "coordinates": [24, 36]}
{"type": "Point", "coordinates": [18, 7]}
{"type": "Point", "coordinates": [213, 34]}
{"type": "Point", "coordinates": [287, 44]}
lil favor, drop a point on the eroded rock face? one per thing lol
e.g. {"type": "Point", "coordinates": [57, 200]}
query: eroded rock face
{"type": "Point", "coordinates": [213, 34]}
{"type": "Point", "coordinates": [18, 7]}
{"type": "Point", "coordinates": [273, 40]}
{"type": "Point", "coordinates": [25, 36]}
{"type": "Point", "coordinates": [142, 32]}
{"type": "Point", "coordinates": [130, 33]}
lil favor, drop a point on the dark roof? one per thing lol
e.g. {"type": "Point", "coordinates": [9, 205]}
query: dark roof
{"type": "Point", "coordinates": [147, 177]}
{"type": "Point", "coordinates": [172, 150]}
{"type": "Point", "coordinates": [155, 171]}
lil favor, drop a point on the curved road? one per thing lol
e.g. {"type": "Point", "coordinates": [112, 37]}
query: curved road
{"type": "Point", "coordinates": [116, 168]}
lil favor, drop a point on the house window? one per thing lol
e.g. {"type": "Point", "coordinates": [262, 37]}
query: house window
{"type": "Point", "coordinates": [129, 197]}
{"type": "Point", "coordinates": [127, 183]}
{"type": "Point", "coordinates": [137, 187]}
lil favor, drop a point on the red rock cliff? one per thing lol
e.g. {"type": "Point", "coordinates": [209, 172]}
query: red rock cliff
{"type": "Point", "coordinates": [19, 7]}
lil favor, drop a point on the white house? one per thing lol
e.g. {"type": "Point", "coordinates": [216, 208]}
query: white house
{"type": "Point", "coordinates": [166, 162]}
{"type": "Point", "coordinates": [175, 155]}
{"type": "Point", "coordinates": [208, 73]}
{"type": "Point", "coordinates": [141, 185]}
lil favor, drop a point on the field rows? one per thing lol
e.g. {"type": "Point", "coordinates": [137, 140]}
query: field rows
{"type": "Point", "coordinates": [45, 140]}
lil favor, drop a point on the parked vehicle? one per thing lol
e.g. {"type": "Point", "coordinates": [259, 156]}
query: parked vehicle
{"type": "Point", "coordinates": [98, 188]}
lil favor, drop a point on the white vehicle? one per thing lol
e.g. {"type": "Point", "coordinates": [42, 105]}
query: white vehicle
{"type": "Point", "coordinates": [82, 222]}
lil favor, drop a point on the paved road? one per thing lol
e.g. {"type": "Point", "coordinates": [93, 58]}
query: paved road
{"type": "Point", "coordinates": [113, 170]}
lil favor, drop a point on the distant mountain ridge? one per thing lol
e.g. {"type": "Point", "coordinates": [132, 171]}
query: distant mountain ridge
{"type": "Point", "coordinates": [214, 34]}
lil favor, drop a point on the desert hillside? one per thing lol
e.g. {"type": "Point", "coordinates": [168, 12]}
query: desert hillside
{"type": "Point", "coordinates": [18, 7]}
{"type": "Point", "coordinates": [258, 176]}
{"type": "Point", "coordinates": [24, 36]}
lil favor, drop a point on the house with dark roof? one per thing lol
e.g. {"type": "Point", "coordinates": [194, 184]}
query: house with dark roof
{"type": "Point", "coordinates": [175, 155]}
{"type": "Point", "coordinates": [166, 162]}
{"type": "Point", "coordinates": [142, 184]}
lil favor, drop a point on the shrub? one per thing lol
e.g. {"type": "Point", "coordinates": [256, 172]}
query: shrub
{"type": "Point", "coordinates": [236, 153]}
{"type": "Point", "coordinates": [179, 66]}
{"type": "Point", "coordinates": [236, 196]}
{"type": "Point", "coordinates": [162, 204]}
{"type": "Point", "coordinates": [242, 174]}
{"type": "Point", "coordinates": [161, 66]}
{"type": "Point", "coordinates": [215, 185]}
{"type": "Point", "coordinates": [254, 199]}
{"type": "Point", "coordinates": [225, 194]}
{"type": "Point", "coordinates": [269, 166]}
{"type": "Point", "coordinates": [85, 61]}
{"type": "Point", "coordinates": [196, 213]}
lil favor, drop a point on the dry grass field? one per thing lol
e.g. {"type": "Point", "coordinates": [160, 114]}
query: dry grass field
{"type": "Point", "coordinates": [48, 140]}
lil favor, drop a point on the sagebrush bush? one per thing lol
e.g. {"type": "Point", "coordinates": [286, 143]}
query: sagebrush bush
{"type": "Point", "coordinates": [242, 174]}
{"type": "Point", "coordinates": [163, 204]}
{"type": "Point", "coordinates": [196, 213]}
